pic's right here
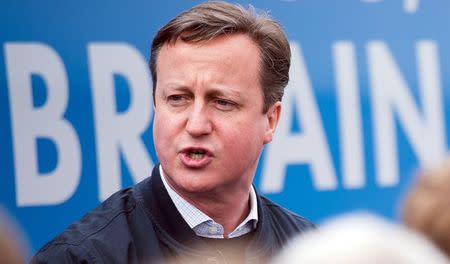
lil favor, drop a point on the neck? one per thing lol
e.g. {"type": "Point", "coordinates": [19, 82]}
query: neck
{"type": "Point", "coordinates": [229, 213]}
{"type": "Point", "coordinates": [227, 205]}
{"type": "Point", "coordinates": [227, 209]}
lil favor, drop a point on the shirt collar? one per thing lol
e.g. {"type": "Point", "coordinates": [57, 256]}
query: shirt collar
{"type": "Point", "coordinates": [194, 217]}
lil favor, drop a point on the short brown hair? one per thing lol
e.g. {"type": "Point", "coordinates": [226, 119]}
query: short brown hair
{"type": "Point", "coordinates": [427, 206]}
{"type": "Point", "coordinates": [213, 19]}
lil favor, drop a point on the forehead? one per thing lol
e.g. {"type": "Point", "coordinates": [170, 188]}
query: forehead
{"type": "Point", "coordinates": [227, 59]}
{"type": "Point", "coordinates": [225, 47]}
{"type": "Point", "coordinates": [231, 41]}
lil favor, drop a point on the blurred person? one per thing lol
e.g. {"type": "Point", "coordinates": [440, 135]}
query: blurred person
{"type": "Point", "coordinates": [360, 238]}
{"type": "Point", "coordinates": [427, 205]}
{"type": "Point", "coordinates": [219, 72]}
{"type": "Point", "coordinates": [12, 244]}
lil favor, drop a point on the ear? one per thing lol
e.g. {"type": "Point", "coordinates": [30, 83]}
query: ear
{"type": "Point", "coordinates": [273, 116]}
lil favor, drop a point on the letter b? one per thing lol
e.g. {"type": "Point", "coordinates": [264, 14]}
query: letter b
{"type": "Point", "coordinates": [30, 123]}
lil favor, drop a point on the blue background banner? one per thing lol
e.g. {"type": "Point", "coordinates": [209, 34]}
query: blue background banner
{"type": "Point", "coordinates": [367, 105]}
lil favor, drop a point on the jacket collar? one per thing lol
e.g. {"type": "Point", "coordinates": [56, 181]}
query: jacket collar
{"type": "Point", "coordinates": [173, 230]}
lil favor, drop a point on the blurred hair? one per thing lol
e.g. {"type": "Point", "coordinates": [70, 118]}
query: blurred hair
{"type": "Point", "coordinates": [360, 238]}
{"type": "Point", "coordinates": [427, 205]}
{"type": "Point", "coordinates": [210, 20]}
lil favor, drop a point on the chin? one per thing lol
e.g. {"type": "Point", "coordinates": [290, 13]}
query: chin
{"type": "Point", "coordinates": [197, 186]}
{"type": "Point", "coordinates": [195, 181]}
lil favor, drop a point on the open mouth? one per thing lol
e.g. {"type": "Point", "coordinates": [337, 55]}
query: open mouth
{"type": "Point", "coordinates": [196, 157]}
{"type": "Point", "coordinates": [196, 154]}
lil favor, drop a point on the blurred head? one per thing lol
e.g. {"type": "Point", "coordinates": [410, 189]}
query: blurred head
{"type": "Point", "coordinates": [211, 20]}
{"type": "Point", "coordinates": [12, 244]}
{"type": "Point", "coordinates": [427, 206]}
{"type": "Point", "coordinates": [363, 238]}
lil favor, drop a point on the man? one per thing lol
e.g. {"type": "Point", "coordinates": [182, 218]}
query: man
{"type": "Point", "coordinates": [218, 72]}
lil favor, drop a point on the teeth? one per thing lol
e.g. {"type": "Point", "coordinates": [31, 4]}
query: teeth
{"type": "Point", "coordinates": [196, 155]}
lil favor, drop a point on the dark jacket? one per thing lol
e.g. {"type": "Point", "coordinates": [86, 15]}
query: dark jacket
{"type": "Point", "coordinates": [142, 225]}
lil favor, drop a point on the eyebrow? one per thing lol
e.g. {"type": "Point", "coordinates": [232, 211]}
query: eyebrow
{"type": "Point", "coordinates": [228, 93]}
{"type": "Point", "coordinates": [210, 93]}
{"type": "Point", "coordinates": [175, 87]}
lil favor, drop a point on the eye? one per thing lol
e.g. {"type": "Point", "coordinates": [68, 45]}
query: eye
{"type": "Point", "coordinates": [225, 105]}
{"type": "Point", "coordinates": [177, 99]}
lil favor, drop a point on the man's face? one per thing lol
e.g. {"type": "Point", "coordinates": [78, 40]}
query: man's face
{"type": "Point", "coordinates": [209, 129]}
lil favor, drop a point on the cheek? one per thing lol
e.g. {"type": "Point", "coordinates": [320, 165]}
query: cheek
{"type": "Point", "coordinates": [161, 133]}
{"type": "Point", "coordinates": [244, 141]}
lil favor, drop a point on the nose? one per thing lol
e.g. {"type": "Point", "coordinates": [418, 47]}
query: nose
{"type": "Point", "coordinates": [199, 122]}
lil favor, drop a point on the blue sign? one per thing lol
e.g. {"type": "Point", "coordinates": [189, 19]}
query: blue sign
{"type": "Point", "coordinates": [367, 105]}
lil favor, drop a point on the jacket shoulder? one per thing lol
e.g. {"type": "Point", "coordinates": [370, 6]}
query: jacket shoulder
{"type": "Point", "coordinates": [61, 252]}
{"type": "Point", "coordinates": [98, 229]}
{"type": "Point", "coordinates": [284, 218]}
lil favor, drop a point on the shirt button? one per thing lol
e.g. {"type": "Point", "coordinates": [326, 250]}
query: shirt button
{"type": "Point", "coordinates": [212, 230]}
